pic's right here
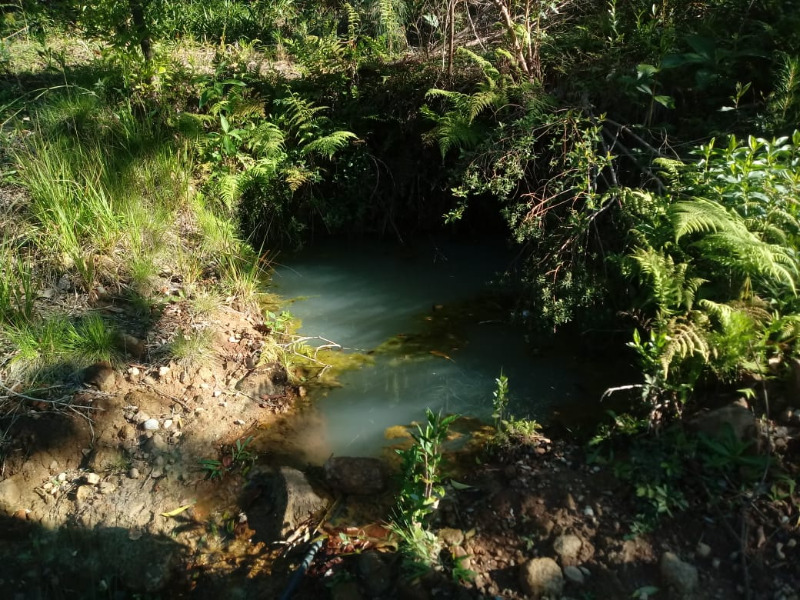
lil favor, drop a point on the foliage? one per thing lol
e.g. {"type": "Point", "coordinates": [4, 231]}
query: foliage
{"type": "Point", "coordinates": [264, 167]}
{"type": "Point", "coordinates": [235, 457]}
{"type": "Point", "coordinates": [421, 488]}
{"type": "Point", "coordinates": [717, 260]}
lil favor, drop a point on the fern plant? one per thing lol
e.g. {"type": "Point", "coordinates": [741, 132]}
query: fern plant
{"type": "Point", "coordinates": [717, 256]}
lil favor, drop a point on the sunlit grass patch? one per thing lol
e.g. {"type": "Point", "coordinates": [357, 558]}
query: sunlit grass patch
{"type": "Point", "coordinates": [56, 345]}
{"type": "Point", "coordinates": [192, 348]}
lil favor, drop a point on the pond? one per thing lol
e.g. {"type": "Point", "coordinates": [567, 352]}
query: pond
{"type": "Point", "coordinates": [438, 332]}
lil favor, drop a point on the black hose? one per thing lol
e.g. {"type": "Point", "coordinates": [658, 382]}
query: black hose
{"type": "Point", "coordinates": [297, 577]}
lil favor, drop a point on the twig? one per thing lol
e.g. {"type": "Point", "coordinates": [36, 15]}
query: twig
{"type": "Point", "coordinates": [621, 388]}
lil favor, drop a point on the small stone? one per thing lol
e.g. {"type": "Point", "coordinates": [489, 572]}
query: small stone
{"type": "Point", "coordinates": [167, 424]}
{"type": "Point", "coordinates": [217, 393]}
{"type": "Point", "coordinates": [678, 575]}
{"type": "Point", "coordinates": [150, 425]}
{"type": "Point", "coordinates": [133, 473]}
{"type": "Point", "coordinates": [588, 511]}
{"type": "Point", "coordinates": [715, 562]}
{"type": "Point", "coordinates": [157, 443]}
{"type": "Point", "coordinates": [107, 487]}
{"type": "Point", "coordinates": [233, 339]}
{"type": "Point", "coordinates": [92, 478]}
{"type": "Point", "coordinates": [567, 546]}
{"type": "Point", "coordinates": [149, 380]}
{"type": "Point", "coordinates": [238, 422]}
{"type": "Point", "coordinates": [451, 537]}
{"type": "Point", "coordinates": [157, 473]}
{"type": "Point", "coordinates": [791, 543]}
{"type": "Point", "coordinates": [162, 371]}
{"type": "Point", "coordinates": [703, 550]}
{"type": "Point", "coordinates": [83, 493]}
{"type": "Point", "coordinates": [62, 477]}
{"type": "Point", "coordinates": [574, 575]}
{"type": "Point", "coordinates": [542, 577]}
{"type": "Point", "coordinates": [53, 466]}
{"type": "Point", "coordinates": [140, 417]}
{"type": "Point", "coordinates": [134, 372]}
{"type": "Point", "coordinates": [779, 551]}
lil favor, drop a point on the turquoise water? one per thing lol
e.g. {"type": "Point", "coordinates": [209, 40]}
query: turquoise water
{"type": "Point", "coordinates": [360, 295]}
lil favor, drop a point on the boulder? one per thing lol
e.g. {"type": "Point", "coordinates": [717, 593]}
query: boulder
{"type": "Point", "coordinates": [10, 496]}
{"type": "Point", "coordinates": [355, 475]}
{"type": "Point", "coordinates": [541, 577]}
{"type": "Point", "coordinates": [735, 415]}
{"type": "Point", "coordinates": [678, 576]}
{"type": "Point", "coordinates": [278, 502]}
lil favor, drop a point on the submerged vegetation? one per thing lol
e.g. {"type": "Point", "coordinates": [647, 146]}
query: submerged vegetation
{"type": "Point", "coordinates": [641, 156]}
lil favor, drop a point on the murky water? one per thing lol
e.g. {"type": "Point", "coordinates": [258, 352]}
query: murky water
{"type": "Point", "coordinates": [448, 342]}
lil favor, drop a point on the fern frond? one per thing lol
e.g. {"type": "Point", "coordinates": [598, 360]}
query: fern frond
{"type": "Point", "coordinates": [685, 337]}
{"type": "Point", "coordinates": [267, 140]}
{"type": "Point", "coordinates": [702, 216]}
{"type": "Point", "coordinates": [247, 108]}
{"type": "Point", "coordinates": [671, 289]}
{"type": "Point", "coordinates": [328, 145]}
{"type": "Point", "coordinates": [296, 176]}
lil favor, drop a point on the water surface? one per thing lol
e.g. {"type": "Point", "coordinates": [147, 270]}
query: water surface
{"type": "Point", "coordinates": [361, 295]}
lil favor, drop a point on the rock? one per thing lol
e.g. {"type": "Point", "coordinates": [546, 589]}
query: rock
{"type": "Point", "coordinates": [541, 577]}
{"type": "Point", "coordinates": [150, 425]}
{"type": "Point", "coordinates": [162, 371]}
{"type": "Point", "coordinates": [82, 494]}
{"type": "Point", "coordinates": [133, 346]}
{"type": "Point", "coordinates": [133, 473]}
{"type": "Point", "coordinates": [703, 550]}
{"type": "Point", "coordinates": [141, 417]}
{"type": "Point", "coordinates": [10, 496]}
{"type": "Point", "coordinates": [679, 576]}
{"type": "Point", "coordinates": [567, 546]}
{"type": "Point", "coordinates": [355, 475]}
{"type": "Point", "coordinates": [451, 537]}
{"type": "Point", "coordinates": [346, 590]}
{"type": "Point", "coordinates": [100, 375]}
{"type": "Point", "coordinates": [107, 487]}
{"type": "Point", "coordinates": [157, 443]}
{"type": "Point", "coordinates": [735, 415]}
{"type": "Point", "coordinates": [287, 501]}
{"type": "Point", "coordinates": [375, 573]}
{"type": "Point", "coordinates": [574, 575]}
{"type": "Point", "coordinates": [92, 478]}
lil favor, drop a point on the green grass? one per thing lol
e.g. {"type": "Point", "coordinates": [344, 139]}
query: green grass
{"type": "Point", "coordinates": [192, 348]}
{"type": "Point", "coordinates": [46, 347]}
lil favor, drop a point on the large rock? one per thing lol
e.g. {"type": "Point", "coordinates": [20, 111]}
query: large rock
{"type": "Point", "coordinates": [10, 496]}
{"type": "Point", "coordinates": [678, 576]}
{"type": "Point", "coordinates": [542, 578]}
{"type": "Point", "coordinates": [278, 503]}
{"type": "Point", "coordinates": [735, 415]}
{"type": "Point", "coordinates": [295, 500]}
{"type": "Point", "coordinates": [355, 475]}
